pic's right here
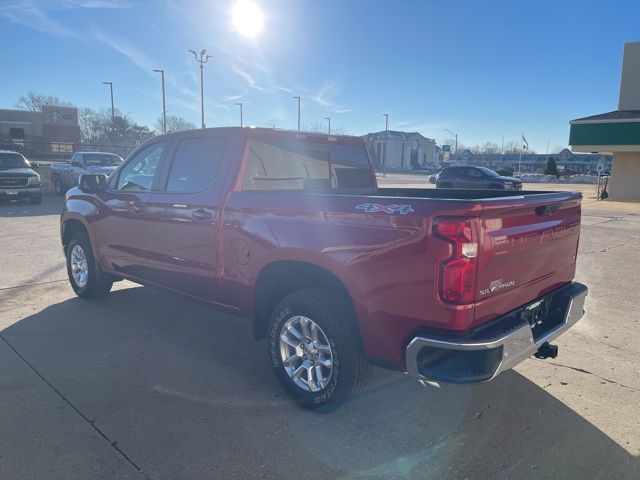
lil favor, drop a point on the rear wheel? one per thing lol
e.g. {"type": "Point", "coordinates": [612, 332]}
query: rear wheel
{"type": "Point", "coordinates": [315, 349]}
{"type": "Point", "coordinates": [85, 276]}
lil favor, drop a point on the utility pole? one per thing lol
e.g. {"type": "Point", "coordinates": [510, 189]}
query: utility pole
{"type": "Point", "coordinates": [241, 121]}
{"type": "Point", "coordinates": [502, 152]}
{"type": "Point", "coordinates": [113, 111]}
{"type": "Point", "coordinates": [329, 120]}
{"type": "Point", "coordinates": [125, 128]}
{"type": "Point", "coordinates": [204, 58]}
{"type": "Point", "coordinates": [164, 105]}
{"type": "Point", "coordinates": [455, 135]}
{"type": "Point", "coordinates": [384, 148]}
{"type": "Point", "coordinates": [298, 99]}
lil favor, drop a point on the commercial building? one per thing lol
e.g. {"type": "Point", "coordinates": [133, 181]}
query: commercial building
{"type": "Point", "coordinates": [617, 132]}
{"type": "Point", "coordinates": [52, 130]}
{"type": "Point", "coordinates": [401, 151]}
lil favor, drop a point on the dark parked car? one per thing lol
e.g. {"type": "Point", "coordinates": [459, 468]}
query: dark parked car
{"type": "Point", "coordinates": [17, 178]}
{"type": "Point", "coordinates": [477, 178]}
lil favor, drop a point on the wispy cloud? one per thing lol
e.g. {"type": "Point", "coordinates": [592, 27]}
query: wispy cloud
{"type": "Point", "coordinates": [38, 14]}
{"type": "Point", "coordinates": [104, 4]}
{"type": "Point", "coordinates": [248, 78]}
{"type": "Point", "coordinates": [344, 110]}
{"type": "Point", "coordinates": [135, 56]}
{"type": "Point", "coordinates": [325, 95]}
{"type": "Point", "coordinates": [230, 98]}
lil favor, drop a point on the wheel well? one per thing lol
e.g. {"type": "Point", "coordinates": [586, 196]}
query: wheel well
{"type": "Point", "coordinates": [70, 227]}
{"type": "Point", "coordinates": [281, 278]}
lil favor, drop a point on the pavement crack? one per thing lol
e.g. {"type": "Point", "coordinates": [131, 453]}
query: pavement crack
{"type": "Point", "coordinates": [605, 250]}
{"type": "Point", "coordinates": [32, 284]}
{"type": "Point", "coordinates": [90, 422]}
{"type": "Point", "coordinates": [604, 379]}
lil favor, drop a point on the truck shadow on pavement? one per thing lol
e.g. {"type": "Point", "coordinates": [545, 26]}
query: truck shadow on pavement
{"type": "Point", "coordinates": [51, 205]}
{"type": "Point", "coordinates": [187, 393]}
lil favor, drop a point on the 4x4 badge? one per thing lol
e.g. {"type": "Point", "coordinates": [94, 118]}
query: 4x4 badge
{"type": "Point", "coordinates": [376, 207]}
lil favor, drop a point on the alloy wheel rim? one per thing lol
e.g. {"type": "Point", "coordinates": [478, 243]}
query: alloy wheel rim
{"type": "Point", "coordinates": [79, 266]}
{"type": "Point", "coordinates": [305, 352]}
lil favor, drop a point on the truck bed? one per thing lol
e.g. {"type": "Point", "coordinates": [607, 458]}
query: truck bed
{"type": "Point", "coordinates": [381, 244]}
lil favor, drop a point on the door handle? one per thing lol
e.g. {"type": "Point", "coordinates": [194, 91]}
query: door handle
{"type": "Point", "coordinates": [202, 214]}
{"type": "Point", "coordinates": [135, 207]}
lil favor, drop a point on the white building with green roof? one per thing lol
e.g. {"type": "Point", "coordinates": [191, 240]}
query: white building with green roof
{"type": "Point", "coordinates": [617, 132]}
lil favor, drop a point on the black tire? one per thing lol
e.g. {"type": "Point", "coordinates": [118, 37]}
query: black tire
{"type": "Point", "coordinates": [58, 186]}
{"type": "Point", "coordinates": [331, 312]}
{"type": "Point", "coordinates": [98, 284]}
{"type": "Point", "coordinates": [36, 199]}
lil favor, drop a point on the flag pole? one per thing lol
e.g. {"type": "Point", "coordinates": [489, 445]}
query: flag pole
{"type": "Point", "coordinates": [520, 157]}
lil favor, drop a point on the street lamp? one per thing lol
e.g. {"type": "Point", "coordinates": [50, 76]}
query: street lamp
{"type": "Point", "coordinates": [329, 120]}
{"type": "Point", "coordinates": [204, 58]}
{"type": "Point", "coordinates": [298, 98]}
{"type": "Point", "coordinates": [164, 105]}
{"type": "Point", "coordinates": [384, 148]}
{"type": "Point", "coordinates": [240, 105]}
{"type": "Point", "coordinates": [113, 112]}
{"type": "Point", "coordinates": [455, 135]}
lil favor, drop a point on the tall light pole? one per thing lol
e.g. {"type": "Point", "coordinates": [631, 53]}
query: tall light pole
{"type": "Point", "coordinates": [202, 59]}
{"type": "Point", "coordinates": [240, 105]}
{"type": "Point", "coordinates": [329, 120]}
{"type": "Point", "coordinates": [384, 148]}
{"type": "Point", "coordinates": [125, 128]}
{"type": "Point", "coordinates": [298, 99]}
{"type": "Point", "coordinates": [455, 135]}
{"type": "Point", "coordinates": [164, 105]}
{"type": "Point", "coordinates": [113, 111]}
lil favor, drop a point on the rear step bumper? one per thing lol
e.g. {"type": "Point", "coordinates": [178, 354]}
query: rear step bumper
{"type": "Point", "coordinates": [498, 346]}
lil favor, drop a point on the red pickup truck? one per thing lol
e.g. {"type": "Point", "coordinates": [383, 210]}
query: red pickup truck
{"type": "Point", "coordinates": [292, 231]}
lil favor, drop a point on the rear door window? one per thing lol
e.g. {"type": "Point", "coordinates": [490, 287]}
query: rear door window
{"type": "Point", "coordinates": [196, 164]}
{"type": "Point", "coordinates": [289, 164]}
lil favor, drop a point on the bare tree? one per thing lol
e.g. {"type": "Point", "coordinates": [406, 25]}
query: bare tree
{"type": "Point", "coordinates": [318, 127]}
{"type": "Point", "coordinates": [486, 148]}
{"type": "Point", "coordinates": [93, 124]}
{"type": "Point", "coordinates": [97, 127]}
{"type": "Point", "coordinates": [34, 102]}
{"type": "Point", "coordinates": [452, 143]}
{"type": "Point", "coordinates": [174, 124]}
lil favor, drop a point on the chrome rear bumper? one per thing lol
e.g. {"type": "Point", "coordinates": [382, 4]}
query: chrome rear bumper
{"type": "Point", "coordinates": [502, 345]}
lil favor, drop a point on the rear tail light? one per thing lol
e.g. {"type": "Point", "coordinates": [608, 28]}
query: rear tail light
{"type": "Point", "coordinates": [457, 275]}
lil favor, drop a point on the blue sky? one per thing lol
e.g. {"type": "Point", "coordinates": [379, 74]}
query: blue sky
{"type": "Point", "coordinates": [483, 69]}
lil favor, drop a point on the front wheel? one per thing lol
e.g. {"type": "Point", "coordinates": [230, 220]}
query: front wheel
{"type": "Point", "coordinates": [315, 349]}
{"type": "Point", "coordinates": [85, 276]}
{"type": "Point", "coordinates": [58, 186]}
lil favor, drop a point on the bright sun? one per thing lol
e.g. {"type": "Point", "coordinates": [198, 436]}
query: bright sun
{"type": "Point", "coordinates": [247, 18]}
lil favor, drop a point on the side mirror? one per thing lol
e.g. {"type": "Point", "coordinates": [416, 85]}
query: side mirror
{"type": "Point", "coordinates": [34, 166]}
{"type": "Point", "coordinates": [92, 183]}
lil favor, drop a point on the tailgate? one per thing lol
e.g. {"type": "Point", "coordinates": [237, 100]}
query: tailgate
{"type": "Point", "coordinates": [528, 247]}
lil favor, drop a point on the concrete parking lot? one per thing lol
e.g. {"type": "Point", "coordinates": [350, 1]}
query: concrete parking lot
{"type": "Point", "coordinates": [141, 384]}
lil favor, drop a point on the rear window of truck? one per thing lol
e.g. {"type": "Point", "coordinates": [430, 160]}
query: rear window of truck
{"type": "Point", "coordinates": [287, 164]}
